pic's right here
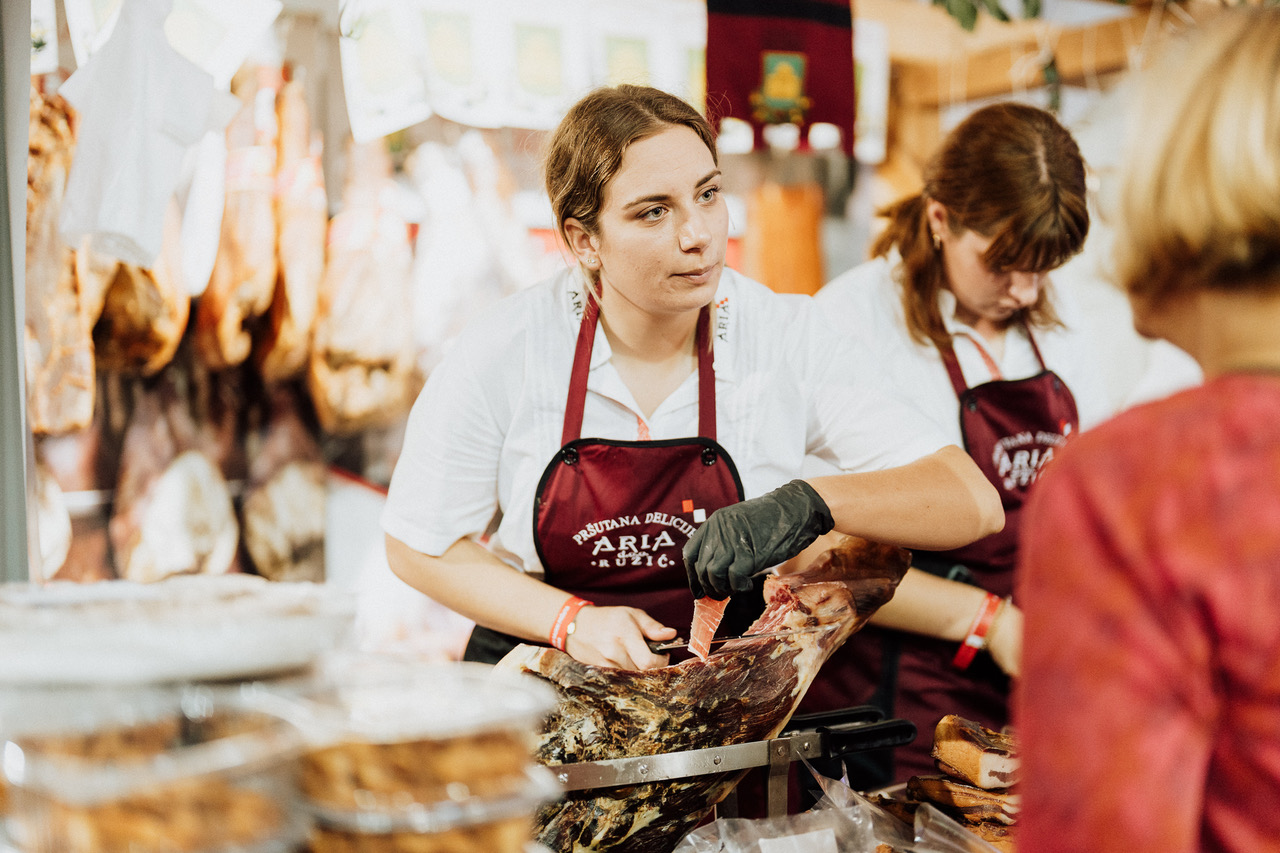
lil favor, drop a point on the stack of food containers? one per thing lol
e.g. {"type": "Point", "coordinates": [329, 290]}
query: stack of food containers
{"type": "Point", "coordinates": [148, 770]}
{"type": "Point", "coordinates": [123, 721]}
{"type": "Point", "coordinates": [423, 758]}
{"type": "Point", "coordinates": [226, 716]}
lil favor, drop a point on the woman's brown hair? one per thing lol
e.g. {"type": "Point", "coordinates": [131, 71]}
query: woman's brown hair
{"type": "Point", "coordinates": [1010, 172]}
{"type": "Point", "coordinates": [585, 151]}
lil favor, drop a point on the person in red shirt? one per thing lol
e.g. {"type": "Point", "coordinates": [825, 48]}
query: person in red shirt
{"type": "Point", "coordinates": [1148, 712]}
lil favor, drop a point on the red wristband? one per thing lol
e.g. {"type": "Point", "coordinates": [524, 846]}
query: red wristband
{"type": "Point", "coordinates": [565, 621]}
{"type": "Point", "coordinates": [976, 637]}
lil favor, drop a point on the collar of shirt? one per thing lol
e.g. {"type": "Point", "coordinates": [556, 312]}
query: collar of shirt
{"type": "Point", "coordinates": [947, 306]}
{"type": "Point", "coordinates": [723, 316]}
{"type": "Point", "coordinates": [1016, 357]}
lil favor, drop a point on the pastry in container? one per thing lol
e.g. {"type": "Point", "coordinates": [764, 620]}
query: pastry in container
{"type": "Point", "coordinates": [148, 770]}
{"type": "Point", "coordinates": [497, 824]}
{"type": "Point", "coordinates": [420, 756]}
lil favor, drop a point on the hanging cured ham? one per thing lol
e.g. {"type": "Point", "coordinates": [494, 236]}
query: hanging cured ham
{"type": "Point", "coordinates": [57, 348]}
{"type": "Point", "coordinates": [173, 512]}
{"type": "Point", "coordinates": [244, 270]}
{"type": "Point", "coordinates": [284, 506]}
{"type": "Point", "coordinates": [745, 691]}
{"type": "Point", "coordinates": [361, 372]}
{"type": "Point", "coordinates": [81, 465]}
{"type": "Point", "coordinates": [94, 273]}
{"type": "Point", "coordinates": [302, 219]}
{"type": "Point", "coordinates": [144, 311]}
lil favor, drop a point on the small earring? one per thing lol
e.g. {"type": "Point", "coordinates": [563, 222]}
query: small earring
{"type": "Point", "coordinates": [937, 241]}
{"type": "Point", "coordinates": [590, 261]}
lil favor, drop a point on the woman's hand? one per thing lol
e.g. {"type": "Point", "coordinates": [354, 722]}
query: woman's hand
{"type": "Point", "coordinates": [617, 637]}
{"type": "Point", "coordinates": [743, 539]}
{"type": "Point", "coordinates": [1004, 639]}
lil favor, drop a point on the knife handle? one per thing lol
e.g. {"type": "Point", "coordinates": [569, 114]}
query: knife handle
{"type": "Point", "coordinates": [859, 737]}
{"type": "Point", "coordinates": [661, 647]}
{"type": "Point", "coordinates": [854, 714]}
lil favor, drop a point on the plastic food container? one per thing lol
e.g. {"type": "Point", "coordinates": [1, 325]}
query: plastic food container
{"type": "Point", "coordinates": [182, 629]}
{"type": "Point", "coordinates": [501, 824]}
{"type": "Point", "coordinates": [419, 757]}
{"type": "Point", "coordinates": [148, 770]}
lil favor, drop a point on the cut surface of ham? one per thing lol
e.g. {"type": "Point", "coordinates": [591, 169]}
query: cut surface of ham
{"type": "Point", "coordinates": [746, 691]}
{"type": "Point", "coordinates": [973, 753]}
{"type": "Point", "coordinates": [707, 615]}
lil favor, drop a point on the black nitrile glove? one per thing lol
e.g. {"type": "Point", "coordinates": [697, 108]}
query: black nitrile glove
{"type": "Point", "coordinates": [740, 540]}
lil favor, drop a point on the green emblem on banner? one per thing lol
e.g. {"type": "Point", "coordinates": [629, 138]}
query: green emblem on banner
{"type": "Point", "coordinates": [780, 98]}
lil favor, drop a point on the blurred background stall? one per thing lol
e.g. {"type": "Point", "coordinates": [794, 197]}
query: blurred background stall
{"type": "Point", "coordinates": [228, 311]}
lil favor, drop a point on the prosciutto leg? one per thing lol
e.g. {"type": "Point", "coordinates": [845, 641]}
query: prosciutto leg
{"type": "Point", "coordinates": [745, 691]}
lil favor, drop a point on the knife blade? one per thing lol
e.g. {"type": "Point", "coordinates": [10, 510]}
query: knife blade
{"type": "Point", "coordinates": [659, 647]}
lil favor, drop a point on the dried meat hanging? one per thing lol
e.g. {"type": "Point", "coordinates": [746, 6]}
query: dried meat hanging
{"type": "Point", "coordinates": [244, 272]}
{"type": "Point", "coordinates": [361, 370]}
{"type": "Point", "coordinates": [302, 220]}
{"type": "Point", "coordinates": [58, 347]}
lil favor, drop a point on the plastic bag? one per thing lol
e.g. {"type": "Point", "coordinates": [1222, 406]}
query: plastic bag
{"type": "Point", "coordinates": [933, 832]}
{"type": "Point", "coordinates": [842, 821]}
{"type": "Point", "coordinates": [819, 830]}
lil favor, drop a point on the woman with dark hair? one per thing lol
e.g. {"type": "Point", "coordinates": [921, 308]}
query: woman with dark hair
{"type": "Point", "coordinates": [578, 432]}
{"type": "Point", "coordinates": [958, 308]}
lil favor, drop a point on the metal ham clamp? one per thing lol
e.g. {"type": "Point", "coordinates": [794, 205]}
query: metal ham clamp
{"type": "Point", "coordinates": [831, 734]}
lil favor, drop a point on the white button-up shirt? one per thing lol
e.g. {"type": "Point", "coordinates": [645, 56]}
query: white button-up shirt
{"type": "Point", "coordinates": [866, 302]}
{"type": "Point", "coordinates": [490, 418]}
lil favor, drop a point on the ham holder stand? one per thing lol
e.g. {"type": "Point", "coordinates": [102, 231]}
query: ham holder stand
{"type": "Point", "coordinates": [831, 734]}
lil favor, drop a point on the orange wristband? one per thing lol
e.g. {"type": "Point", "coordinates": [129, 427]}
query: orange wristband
{"type": "Point", "coordinates": [976, 638]}
{"type": "Point", "coordinates": [566, 621]}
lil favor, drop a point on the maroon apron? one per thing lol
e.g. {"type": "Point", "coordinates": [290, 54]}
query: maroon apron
{"type": "Point", "coordinates": [612, 517]}
{"type": "Point", "coordinates": [1011, 428]}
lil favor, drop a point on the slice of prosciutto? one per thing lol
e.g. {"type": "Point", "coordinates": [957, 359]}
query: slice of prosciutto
{"type": "Point", "coordinates": [707, 615]}
{"type": "Point", "coordinates": [745, 691]}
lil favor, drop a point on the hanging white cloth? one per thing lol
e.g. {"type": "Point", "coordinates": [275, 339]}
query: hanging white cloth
{"type": "Point", "coordinates": [141, 105]}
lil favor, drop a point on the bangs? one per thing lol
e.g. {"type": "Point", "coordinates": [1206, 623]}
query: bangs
{"type": "Point", "coordinates": [1039, 246]}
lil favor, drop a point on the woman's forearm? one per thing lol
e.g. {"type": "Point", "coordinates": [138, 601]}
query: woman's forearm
{"type": "Point", "coordinates": [929, 605]}
{"type": "Point", "coordinates": [945, 609]}
{"type": "Point", "coordinates": [938, 502]}
{"type": "Point", "coordinates": [470, 580]}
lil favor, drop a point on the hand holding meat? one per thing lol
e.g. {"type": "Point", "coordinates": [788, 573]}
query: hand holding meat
{"type": "Point", "coordinates": [738, 541]}
{"type": "Point", "coordinates": [615, 637]}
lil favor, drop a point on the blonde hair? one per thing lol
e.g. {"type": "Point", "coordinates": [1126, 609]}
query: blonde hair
{"type": "Point", "coordinates": [1200, 203]}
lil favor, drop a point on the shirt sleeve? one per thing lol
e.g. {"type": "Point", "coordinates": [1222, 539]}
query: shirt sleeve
{"type": "Point", "coordinates": [858, 422]}
{"type": "Point", "coordinates": [445, 483]}
{"type": "Point", "coordinates": [1115, 706]}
